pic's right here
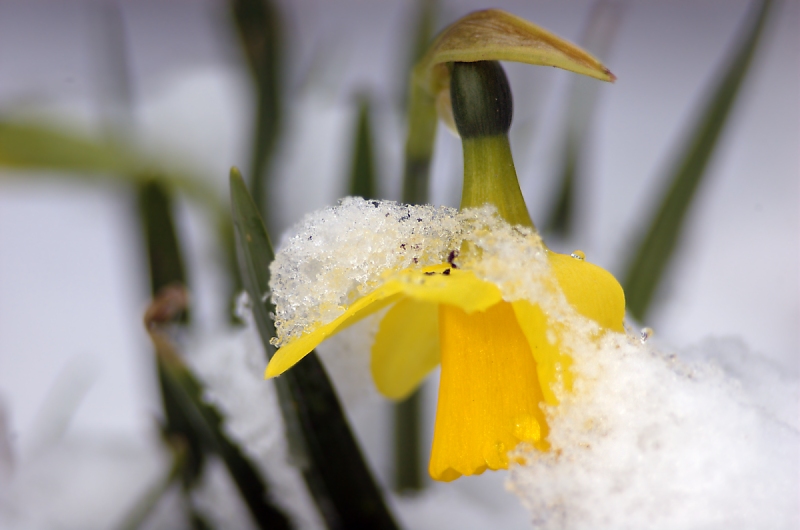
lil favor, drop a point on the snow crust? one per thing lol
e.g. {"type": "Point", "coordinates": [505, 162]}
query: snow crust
{"type": "Point", "coordinates": [313, 279]}
{"type": "Point", "coordinates": [708, 439]}
{"type": "Point", "coordinates": [338, 254]}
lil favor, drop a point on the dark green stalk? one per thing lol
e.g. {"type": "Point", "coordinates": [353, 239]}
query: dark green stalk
{"type": "Point", "coordinates": [408, 442]}
{"type": "Point", "coordinates": [332, 464]}
{"type": "Point", "coordinates": [362, 174]}
{"type": "Point", "coordinates": [422, 121]}
{"type": "Point", "coordinates": [482, 109]}
{"type": "Point", "coordinates": [163, 249]}
{"type": "Point", "coordinates": [166, 268]}
{"type": "Point", "coordinates": [407, 414]}
{"type": "Point", "coordinates": [581, 104]}
{"type": "Point", "coordinates": [195, 424]}
{"type": "Point", "coordinates": [259, 26]}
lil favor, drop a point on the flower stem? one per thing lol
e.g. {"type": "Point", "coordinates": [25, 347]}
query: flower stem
{"type": "Point", "coordinates": [490, 178]}
{"type": "Point", "coordinates": [482, 109]}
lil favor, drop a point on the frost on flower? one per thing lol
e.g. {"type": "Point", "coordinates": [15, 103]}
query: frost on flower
{"type": "Point", "coordinates": [474, 290]}
{"type": "Point", "coordinates": [314, 279]}
{"type": "Point", "coordinates": [706, 439]}
{"type": "Point", "coordinates": [484, 298]}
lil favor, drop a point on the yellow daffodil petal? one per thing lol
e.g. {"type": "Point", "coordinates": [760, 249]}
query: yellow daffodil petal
{"type": "Point", "coordinates": [593, 292]}
{"type": "Point", "coordinates": [288, 355]}
{"type": "Point", "coordinates": [444, 284]}
{"type": "Point", "coordinates": [489, 393]}
{"type": "Point", "coordinates": [406, 347]}
{"type": "Point", "coordinates": [551, 364]}
{"type": "Point", "coordinates": [590, 289]}
{"type": "Point", "coordinates": [438, 284]}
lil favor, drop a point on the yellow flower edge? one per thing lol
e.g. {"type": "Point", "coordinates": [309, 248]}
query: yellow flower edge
{"type": "Point", "coordinates": [498, 361]}
{"type": "Point", "coordinates": [437, 284]}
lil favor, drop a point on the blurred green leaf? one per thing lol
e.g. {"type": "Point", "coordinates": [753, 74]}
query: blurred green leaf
{"type": "Point", "coordinates": [167, 272]}
{"type": "Point", "coordinates": [38, 147]}
{"type": "Point", "coordinates": [207, 423]}
{"type": "Point", "coordinates": [422, 121]}
{"type": "Point", "coordinates": [188, 418]}
{"type": "Point", "coordinates": [424, 27]}
{"type": "Point", "coordinates": [335, 471]}
{"type": "Point", "coordinates": [420, 114]}
{"type": "Point", "coordinates": [581, 103]}
{"type": "Point", "coordinates": [158, 226]}
{"type": "Point", "coordinates": [362, 175]}
{"type": "Point", "coordinates": [29, 145]}
{"type": "Point", "coordinates": [408, 443]}
{"type": "Point", "coordinates": [259, 25]}
{"type": "Point", "coordinates": [656, 247]}
{"type": "Point", "coordinates": [178, 425]}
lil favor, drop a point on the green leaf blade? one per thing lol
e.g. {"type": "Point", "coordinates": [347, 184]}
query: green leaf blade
{"type": "Point", "coordinates": [598, 36]}
{"type": "Point", "coordinates": [158, 227]}
{"type": "Point", "coordinates": [656, 247]}
{"type": "Point", "coordinates": [206, 422]}
{"type": "Point", "coordinates": [187, 417]}
{"type": "Point", "coordinates": [259, 25]}
{"type": "Point", "coordinates": [363, 177]}
{"type": "Point", "coordinates": [335, 471]}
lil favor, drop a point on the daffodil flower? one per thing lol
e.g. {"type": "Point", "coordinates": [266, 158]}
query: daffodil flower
{"type": "Point", "coordinates": [496, 310]}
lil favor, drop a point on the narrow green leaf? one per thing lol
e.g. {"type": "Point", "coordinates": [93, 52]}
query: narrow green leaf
{"type": "Point", "coordinates": [362, 174]}
{"type": "Point", "coordinates": [422, 121]}
{"type": "Point", "coordinates": [197, 520]}
{"type": "Point", "coordinates": [420, 115]}
{"type": "Point", "coordinates": [335, 471]}
{"type": "Point", "coordinates": [35, 146]}
{"type": "Point", "coordinates": [423, 31]}
{"type": "Point", "coordinates": [408, 443]}
{"type": "Point", "coordinates": [561, 219]}
{"type": "Point", "coordinates": [158, 226]}
{"type": "Point", "coordinates": [166, 269]}
{"type": "Point", "coordinates": [206, 421]}
{"type": "Point", "coordinates": [29, 145]}
{"type": "Point", "coordinates": [259, 25]}
{"type": "Point", "coordinates": [178, 425]}
{"type": "Point", "coordinates": [38, 147]}
{"type": "Point", "coordinates": [581, 103]}
{"type": "Point", "coordinates": [187, 417]}
{"type": "Point", "coordinates": [656, 247]}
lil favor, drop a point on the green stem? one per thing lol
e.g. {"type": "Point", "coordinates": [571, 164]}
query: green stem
{"type": "Point", "coordinates": [490, 178]}
{"type": "Point", "coordinates": [407, 443]}
{"type": "Point", "coordinates": [482, 110]}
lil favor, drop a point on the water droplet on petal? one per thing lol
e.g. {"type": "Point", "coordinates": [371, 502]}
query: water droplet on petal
{"type": "Point", "coordinates": [578, 254]}
{"type": "Point", "coordinates": [646, 333]}
{"type": "Point", "coordinates": [527, 429]}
